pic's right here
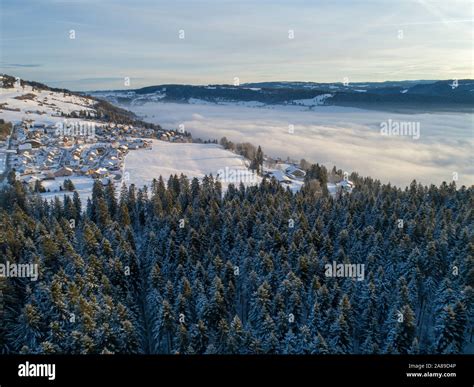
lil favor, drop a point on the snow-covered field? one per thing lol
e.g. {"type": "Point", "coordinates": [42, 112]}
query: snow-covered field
{"type": "Point", "coordinates": [349, 138]}
{"type": "Point", "coordinates": [192, 160]}
{"type": "Point", "coordinates": [83, 186]}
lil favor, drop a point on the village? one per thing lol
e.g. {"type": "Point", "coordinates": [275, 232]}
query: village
{"type": "Point", "coordinates": [42, 153]}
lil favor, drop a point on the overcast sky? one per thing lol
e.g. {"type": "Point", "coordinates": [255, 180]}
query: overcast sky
{"type": "Point", "coordinates": [140, 39]}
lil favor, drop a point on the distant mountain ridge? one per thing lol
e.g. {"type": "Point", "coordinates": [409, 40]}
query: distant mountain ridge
{"type": "Point", "coordinates": [445, 94]}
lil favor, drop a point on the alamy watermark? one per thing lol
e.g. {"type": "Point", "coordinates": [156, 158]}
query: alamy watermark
{"type": "Point", "coordinates": [231, 175]}
{"type": "Point", "coordinates": [75, 129]}
{"type": "Point", "coordinates": [19, 270]}
{"type": "Point", "coordinates": [347, 270]}
{"type": "Point", "coordinates": [400, 128]}
{"type": "Point", "coordinates": [28, 369]}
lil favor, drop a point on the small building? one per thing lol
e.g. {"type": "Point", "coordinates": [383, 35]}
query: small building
{"type": "Point", "coordinates": [100, 173]}
{"type": "Point", "coordinates": [30, 180]}
{"type": "Point", "coordinates": [346, 186]}
{"type": "Point", "coordinates": [47, 175]}
{"type": "Point", "coordinates": [34, 143]}
{"type": "Point", "coordinates": [295, 172]}
{"type": "Point", "coordinates": [24, 147]}
{"type": "Point", "coordinates": [63, 171]}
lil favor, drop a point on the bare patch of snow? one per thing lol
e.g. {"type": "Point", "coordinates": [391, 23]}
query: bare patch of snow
{"type": "Point", "coordinates": [83, 185]}
{"type": "Point", "coordinates": [316, 101]}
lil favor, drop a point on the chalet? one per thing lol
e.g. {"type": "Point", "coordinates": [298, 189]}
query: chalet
{"type": "Point", "coordinates": [100, 149]}
{"type": "Point", "coordinates": [75, 161]}
{"type": "Point", "coordinates": [47, 175]}
{"type": "Point", "coordinates": [346, 185]}
{"type": "Point", "coordinates": [24, 147]}
{"type": "Point", "coordinates": [85, 170]}
{"type": "Point", "coordinates": [100, 173]}
{"type": "Point", "coordinates": [63, 171]}
{"type": "Point", "coordinates": [279, 176]}
{"type": "Point", "coordinates": [295, 172]}
{"type": "Point", "coordinates": [29, 170]}
{"type": "Point", "coordinates": [34, 143]}
{"type": "Point", "coordinates": [30, 180]}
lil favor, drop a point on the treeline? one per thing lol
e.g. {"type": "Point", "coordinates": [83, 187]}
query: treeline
{"type": "Point", "coordinates": [182, 267]}
{"type": "Point", "coordinates": [5, 129]}
{"type": "Point", "coordinates": [248, 150]}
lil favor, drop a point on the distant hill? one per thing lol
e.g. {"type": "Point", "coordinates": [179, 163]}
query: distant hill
{"type": "Point", "coordinates": [419, 95]}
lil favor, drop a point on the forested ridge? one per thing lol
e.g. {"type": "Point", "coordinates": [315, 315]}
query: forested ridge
{"type": "Point", "coordinates": [182, 267]}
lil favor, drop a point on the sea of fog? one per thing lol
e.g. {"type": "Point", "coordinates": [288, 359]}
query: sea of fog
{"type": "Point", "coordinates": [436, 146]}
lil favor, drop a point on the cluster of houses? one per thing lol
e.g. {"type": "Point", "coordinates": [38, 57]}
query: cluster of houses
{"type": "Point", "coordinates": [290, 174]}
{"type": "Point", "coordinates": [285, 173]}
{"type": "Point", "coordinates": [40, 152]}
{"type": "Point", "coordinates": [111, 130]}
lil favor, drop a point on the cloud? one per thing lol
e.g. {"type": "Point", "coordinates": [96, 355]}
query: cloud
{"type": "Point", "coordinates": [346, 137]}
{"type": "Point", "coordinates": [19, 65]}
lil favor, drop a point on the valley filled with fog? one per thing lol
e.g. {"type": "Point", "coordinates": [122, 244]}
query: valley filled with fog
{"type": "Point", "coordinates": [349, 138]}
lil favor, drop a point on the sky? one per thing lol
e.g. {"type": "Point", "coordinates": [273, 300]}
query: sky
{"type": "Point", "coordinates": [150, 42]}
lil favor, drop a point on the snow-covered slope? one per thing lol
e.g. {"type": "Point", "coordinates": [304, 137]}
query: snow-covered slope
{"type": "Point", "coordinates": [82, 184]}
{"type": "Point", "coordinates": [43, 106]}
{"type": "Point", "coordinates": [193, 160]}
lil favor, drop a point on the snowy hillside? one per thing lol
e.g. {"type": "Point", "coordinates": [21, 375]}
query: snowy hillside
{"type": "Point", "coordinates": [43, 106]}
{"type": "Point", "coordinates": [51, 135]}
{"type": "Point", "coordinates": [193, 160]}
